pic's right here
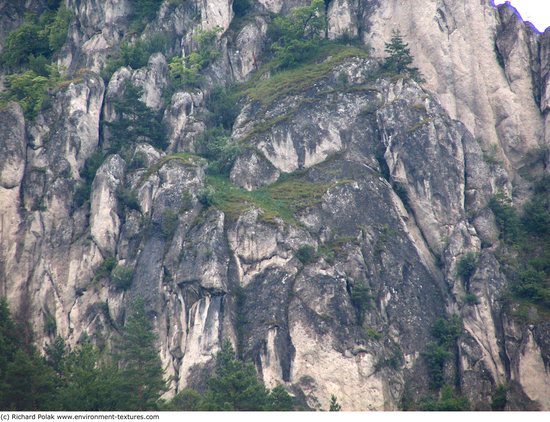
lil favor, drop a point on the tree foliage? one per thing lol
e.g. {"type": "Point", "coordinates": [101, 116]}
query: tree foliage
{"type": "Point", "coordinates": [135, 123]}
{"type": "Point", "coordinates": [26, 381]}
{"type": "Point", "coordinates": [136, 54]}
{"type": "Point", "coordinates": [399, 59]}
{"type": "Point", "coordinates": [526, 234]}
{"type": "Point", "coordinates": [298, 36]}
{"type": "Point", "coordinates": [186, 70]}
{"type": "Point", "coordinates": [448, 401]}
{"type": "Point", "coordinates": [446, 332]}
{"type": "Point", "coordinates": [38, 37]}
{"type": "Point", "coordinates": [143, 11]}
{"type": "Point", "coordinates": [361, 298]}
{"type": "Point", "coordinates": [29, 89]}
{"type": "Point", "coordinates": [88, 384]}
{"type": "Point", "coordinates": [217, 146]}
{"type": "Point", "coordinates": [82, 378]}
{"type": "Point", "coordinates": [334, 405]}
{"type": "Point", "coordinates": [234, 386]}
{"type": "Point", "coordinates": [141, 368]}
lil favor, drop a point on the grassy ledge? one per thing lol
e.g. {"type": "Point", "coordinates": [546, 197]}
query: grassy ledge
{"type": "Point", "coordinates": [295, 80]}
{"type": "Point", "coordinates": [281, 200]}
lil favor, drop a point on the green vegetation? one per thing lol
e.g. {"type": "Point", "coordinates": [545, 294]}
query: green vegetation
{"type": "Point", "coordinates": [223, 105]}
{"type": "Point", "coordinates": [296, 80]}
{"type": "Point", "coordinates": [399, 59]}
{"type": "Point", "coordinates": [282, 199]}
{"type": "Point", "coordinates": [137, 54]}
{"type": "Point", "coordinates": [128, 198]}
{"type": "Point", "coordinates": [306, 254]}
{"type": "Point", "coordinates": [181, 157]}
{"type": "Point", "coordinates": [88, 172]}
{"type": "Point", "coordinates": [217, 146]}
{"type": "Point", "coordinates": [168, 223]}
{"type": "Point", "coordinates": [467, 265]}
{"type": "Point", "coordinates": [34, 43]}
{"type": "Point", "coordinates": [135, 123]}
{"type": "Point", "coordinates": [186, 70]}
{"type": "Point", "coordinates": [471, 299]}
{"type": "Point", "coordinates": [26, 382]}
{"type": "Point", "coordinates": [121, 277]}
{"type": "Point", "coordinates": [298, 35]}
{"type": "Point", "coordinates": [241, 7]}
{"type": "Point", "coordinates": [104, 269]}
{"type": "Point", "coordinates": [141, 367]}
{"type": "Point", "coordinates": [143, 11]}
{"type": "Point", "coordinates": [499, 398]}
{"type": "Point", "coordinates": [506, 217]}
{"type": "Point", "coordinates": [334, 406]}
{"type": "Point", "coordinates": [446, 332]}
{"type": "Point", "coordinates": [448, 401]}
{"type": "Point", "coordinates": [239, 295]}
{"type": "Point", "coordinates": [28, 53]}
{"type": "Point", "coordinates": [436, 356]}
{"type": "Point", "coordinates": [29, 90]}
{"type": "Point", "coordinates": [361, 299]}
{"type": "Point", "coordinates": [234, 386]}
{"type": "Point", "coordinates": [527, 260]}
{"type": "Point", "coordinates": [331, 249]}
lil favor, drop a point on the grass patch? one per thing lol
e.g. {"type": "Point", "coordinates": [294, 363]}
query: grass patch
{"type": "Point", "coordinates": [296, 80]}
{"type": "Point", "coordinates": [182, 157]}
{"type": "Point", "coordinates": [331, 249]}
{"type": "Point", "coordinates": [282, 199]}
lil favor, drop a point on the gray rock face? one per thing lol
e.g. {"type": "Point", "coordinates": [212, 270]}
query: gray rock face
{"type": "Point", "coordinates": [98, 27]}
{"type": "Point", "coordinates": [354, 199]}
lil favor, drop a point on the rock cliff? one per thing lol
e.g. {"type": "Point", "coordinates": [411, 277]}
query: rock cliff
{"type": "Point", "coordinates": [335, 244]}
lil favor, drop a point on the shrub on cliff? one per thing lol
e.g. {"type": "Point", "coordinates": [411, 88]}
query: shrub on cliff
{"type": "Point", "coordinates": [298, 36]}
{"type": "Point", "coordinates": [399, 59]}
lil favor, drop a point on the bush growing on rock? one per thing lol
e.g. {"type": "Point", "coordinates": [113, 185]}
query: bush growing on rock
{"type": "Point", "coordinates": [467, 265]}
{"type": "Point", "coordinates": [136, 55]}
{"type": "Point", "coordinates": [446, 332]}
{"type": "Point", "coordinates": [186, 70]}
{"type": "Point", "coordinates": [298, 36]}
{"type": "Point", "coordinates": [361, 299]}
{"type": "Point", "coordinates": [122, 276]}
{"type": "Point", "coordinates": [306, 254]}
{"type": "Point", "coordinates": [36, 40]}
{"type": "Point", "coordinates": [219, 149]}
{"type": "Point", "coordinates": [143, 11]}
{"type": "Point", "coordinates": [135, 123]}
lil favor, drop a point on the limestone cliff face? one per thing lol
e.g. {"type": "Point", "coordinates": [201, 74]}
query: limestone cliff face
{"type": "Point", "coordinates": [397, 186]}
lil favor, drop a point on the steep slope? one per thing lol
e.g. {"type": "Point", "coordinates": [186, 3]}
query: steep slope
{"type": "Point", "coordinates": [333, 245]}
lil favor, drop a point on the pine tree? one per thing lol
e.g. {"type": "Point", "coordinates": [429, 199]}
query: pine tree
{"type": "Point", "coordinates": [26, 382]}
{"type": "Point", "coordinates": [236, 385]}
{"type": "Point", "coordinates": [135, 123]}
{"type": "Point", "coordinates": [89, 384]}
{"type": "Point", "coordinates": [142, 372]}
{"type": "Point", "coordinates": [9, 342]}
{"type": "Point", "coordinates": [334, 405]}
{"type": "Point", "coordinates": [280, 400]}
{"type": "Point", "coordinates": [399, 58]}
{"type": "Point", "coordinates": [29, 384]}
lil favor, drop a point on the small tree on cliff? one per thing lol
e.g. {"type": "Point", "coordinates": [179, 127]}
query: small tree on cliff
{"type": "Point", "coordinates": [399, 59]}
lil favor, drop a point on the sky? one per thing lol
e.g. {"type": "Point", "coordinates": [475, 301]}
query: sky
{"type": "Point", "coordinates": [535, 11]}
